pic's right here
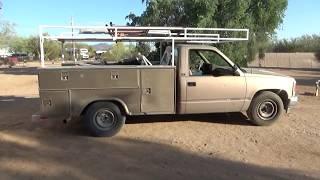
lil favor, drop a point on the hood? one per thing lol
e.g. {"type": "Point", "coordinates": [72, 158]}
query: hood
{"type": "Point", "coordinates": [262, 72]}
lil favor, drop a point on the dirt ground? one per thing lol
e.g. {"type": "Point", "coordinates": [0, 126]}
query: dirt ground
{"type": "Point", "coordinates": [220, 146]}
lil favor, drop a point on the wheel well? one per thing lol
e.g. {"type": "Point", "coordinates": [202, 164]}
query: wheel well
{"type": "Point", "coordinates": [117, 103]}
{"type": "Point", "coordinates": [281, 93]}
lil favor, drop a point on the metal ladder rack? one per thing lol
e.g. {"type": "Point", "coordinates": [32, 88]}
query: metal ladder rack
{"type": "Point", "coordinates": [141, 33]}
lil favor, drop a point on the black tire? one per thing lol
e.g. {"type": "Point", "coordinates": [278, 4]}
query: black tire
{"type": "Point", "coordinates": [265, 109]}
{"type": "Point", "coordinates": [104, 119]}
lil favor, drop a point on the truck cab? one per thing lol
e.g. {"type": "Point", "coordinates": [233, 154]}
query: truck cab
{"type": "Point", "coordinates": [209, 82]}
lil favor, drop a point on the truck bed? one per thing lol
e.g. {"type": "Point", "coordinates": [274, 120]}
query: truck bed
{"type": "Point", "coordinates": [66, 91]}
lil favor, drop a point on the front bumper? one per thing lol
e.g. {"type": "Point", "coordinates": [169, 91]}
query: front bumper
{"type": "Point", "coordinates": [293, 101]}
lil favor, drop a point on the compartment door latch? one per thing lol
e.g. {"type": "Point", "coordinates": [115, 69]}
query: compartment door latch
{"type": "Point", "coordinates": [64, 76]}
{"type": "Point", "coordinates": [115, 75]}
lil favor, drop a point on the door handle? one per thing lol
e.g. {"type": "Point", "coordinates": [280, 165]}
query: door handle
{"type": "Point", "coordinates": [192, 84]}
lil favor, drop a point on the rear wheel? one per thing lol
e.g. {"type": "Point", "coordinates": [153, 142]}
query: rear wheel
{"type": "Point", "coordinates": [265, 109]}
{"type": "Point", "coordinates": [104, 119]}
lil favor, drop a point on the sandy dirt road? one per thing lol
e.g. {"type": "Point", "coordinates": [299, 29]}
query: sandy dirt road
{"type": "Point", "coordinates": [220, 146]}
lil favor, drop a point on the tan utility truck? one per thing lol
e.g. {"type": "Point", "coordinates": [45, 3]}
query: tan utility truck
{"type": "Point", "coordinates": [190, 79]}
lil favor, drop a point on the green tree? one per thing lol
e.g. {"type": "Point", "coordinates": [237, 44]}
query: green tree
{"type": "Point", "coordinates": [91, 51]}
{"type": "Point", "coordinates": [52, 50]}
{"type": "Point", "coordinates": [260, 16]}
{"type": "Point", "coordinates": [7, 33]}
{"type": "Point", "coordinates": [30, 45]}
{"type": "Point", "coordinates": [306, 43]}
{"type": "Point", "coordinates": [118, 52]}
{"type": "Point", "coordinates": [33, 46]}
{"type": "Point", "coordinates": [18, 45]}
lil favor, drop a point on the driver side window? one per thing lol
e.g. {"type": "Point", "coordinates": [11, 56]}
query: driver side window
{"type": "Point", "coordinates": [208, 63]}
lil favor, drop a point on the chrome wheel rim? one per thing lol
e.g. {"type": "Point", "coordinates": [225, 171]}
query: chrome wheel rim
{"type": "Point", "coordinates": [104, 119]}
{"type": "Point", "coordinates": [267, 110]}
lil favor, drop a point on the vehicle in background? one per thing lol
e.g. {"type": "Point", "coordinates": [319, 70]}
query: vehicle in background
{"type": "Point", "coordinates": [84, 53]}
{"type": "Point", "coordinates": [99, 54]}
{"type": "Point", "coordinates": [5, 52]}
{"type": "Point", "coordinates": [14, 59]}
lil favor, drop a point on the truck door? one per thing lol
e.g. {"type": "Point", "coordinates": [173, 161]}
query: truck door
{"type": "Point", "coordinates": [212, 84]}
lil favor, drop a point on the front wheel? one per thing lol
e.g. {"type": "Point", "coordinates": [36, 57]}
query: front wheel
{"type": "Point", "coordinates": [265, 109]}
{"type": "Point", "coordinates": [104, 119]}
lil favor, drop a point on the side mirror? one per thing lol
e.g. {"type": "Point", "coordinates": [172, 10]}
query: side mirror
{"type": "Point", "coordinates": [236, 73]}
{"type": "Point", "coordinates": [235, 70]}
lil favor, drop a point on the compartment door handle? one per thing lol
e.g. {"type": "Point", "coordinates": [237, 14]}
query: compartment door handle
{"type": "Point", "coordinates": [192, 84]}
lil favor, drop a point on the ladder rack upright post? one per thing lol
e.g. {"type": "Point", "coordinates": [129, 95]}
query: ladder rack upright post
{"type": "Point", "coordinates": [41, 39]}
{"type": "Point", "coordinates": [172, 53]}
